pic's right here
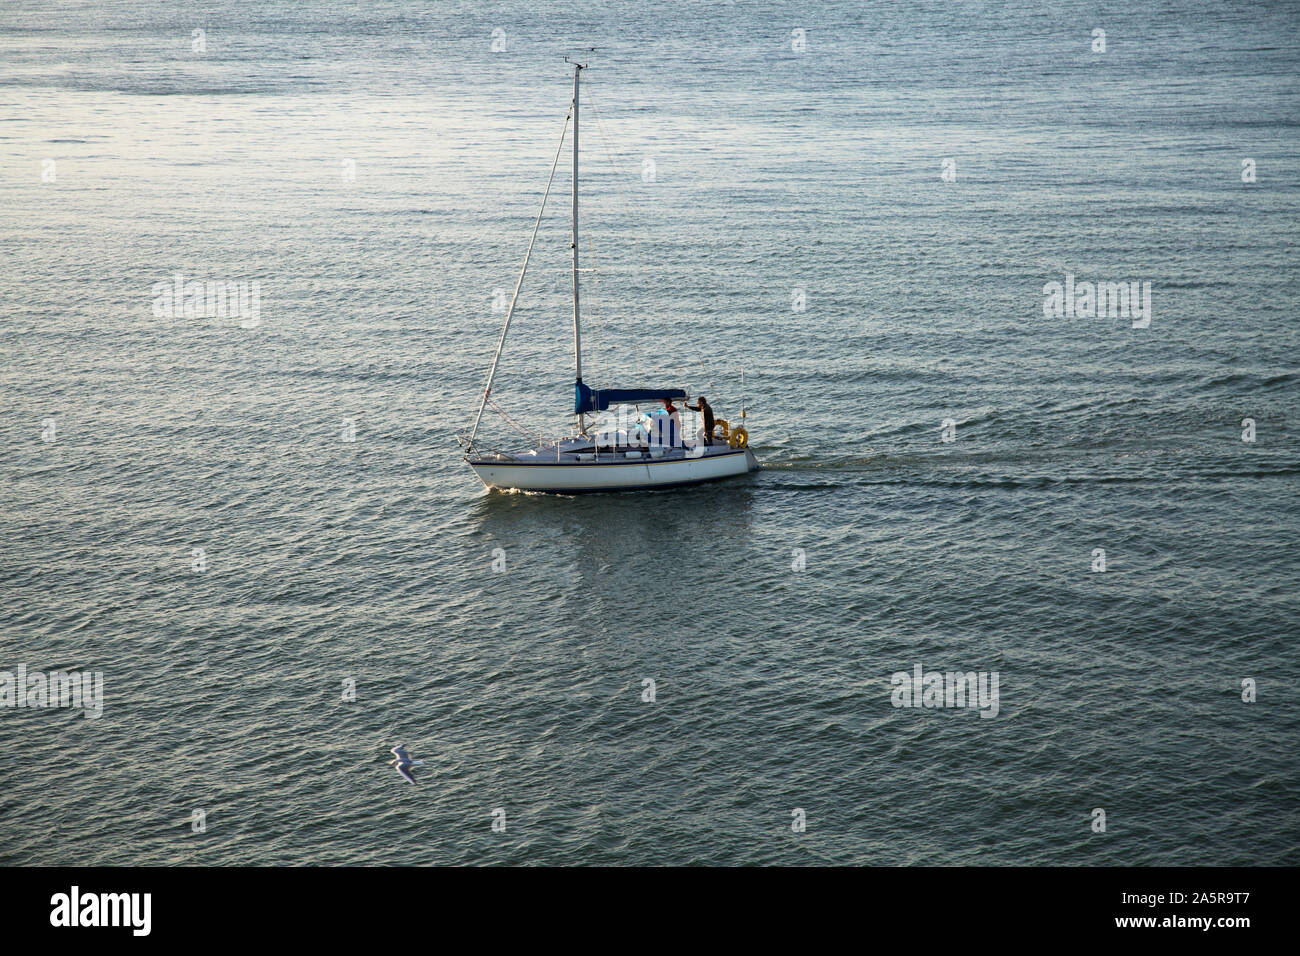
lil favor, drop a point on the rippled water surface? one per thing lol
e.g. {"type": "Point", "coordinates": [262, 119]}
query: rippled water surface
{"type": "Point", "coordinates": [376, 168]}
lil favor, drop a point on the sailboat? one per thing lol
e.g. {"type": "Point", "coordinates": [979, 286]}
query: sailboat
{"type": "Point", "coordinates": [623, 450]}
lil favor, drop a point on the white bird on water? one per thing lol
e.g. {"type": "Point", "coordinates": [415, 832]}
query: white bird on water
{"type": "Point", "coordinates": [404, 763]}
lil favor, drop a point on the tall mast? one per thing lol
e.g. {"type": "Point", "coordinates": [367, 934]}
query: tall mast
{"type": "Point", "coordinates": [577, 334]}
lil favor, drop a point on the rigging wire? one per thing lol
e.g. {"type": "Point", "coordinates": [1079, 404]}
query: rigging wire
{"type": "Point", "coordinates": [487, 385]}
{"type": "Point", "coordinates": [596, 316]}
{"type": "Point", "coordinates": [638, 256]}
{"type": "Point", "coordinates": [703, 369]}
{"type": "Point", "coordinates": [521, 429]}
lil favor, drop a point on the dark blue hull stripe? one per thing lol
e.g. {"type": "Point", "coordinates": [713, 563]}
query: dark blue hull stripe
{"type": "Point", "coordinates": [588, 491]}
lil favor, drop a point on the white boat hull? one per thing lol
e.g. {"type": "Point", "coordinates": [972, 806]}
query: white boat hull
{"type": "Point", "coordinates": [614, 473]}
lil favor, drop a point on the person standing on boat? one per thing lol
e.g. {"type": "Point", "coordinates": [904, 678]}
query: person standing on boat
{"type": "Point", "coordinates": [706, 411]}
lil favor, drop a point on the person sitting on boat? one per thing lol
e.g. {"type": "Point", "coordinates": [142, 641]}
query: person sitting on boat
{"type": "Point", "coordinates": [673, 425]}
{"type": "Point", "coordinates": [706, 411]}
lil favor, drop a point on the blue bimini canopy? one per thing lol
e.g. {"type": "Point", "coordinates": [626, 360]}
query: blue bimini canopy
{"type": "Point", "coordinates": [587, 399]}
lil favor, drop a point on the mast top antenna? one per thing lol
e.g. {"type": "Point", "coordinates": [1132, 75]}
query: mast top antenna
{"type": "Point", "coordinates": [581, 66]}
